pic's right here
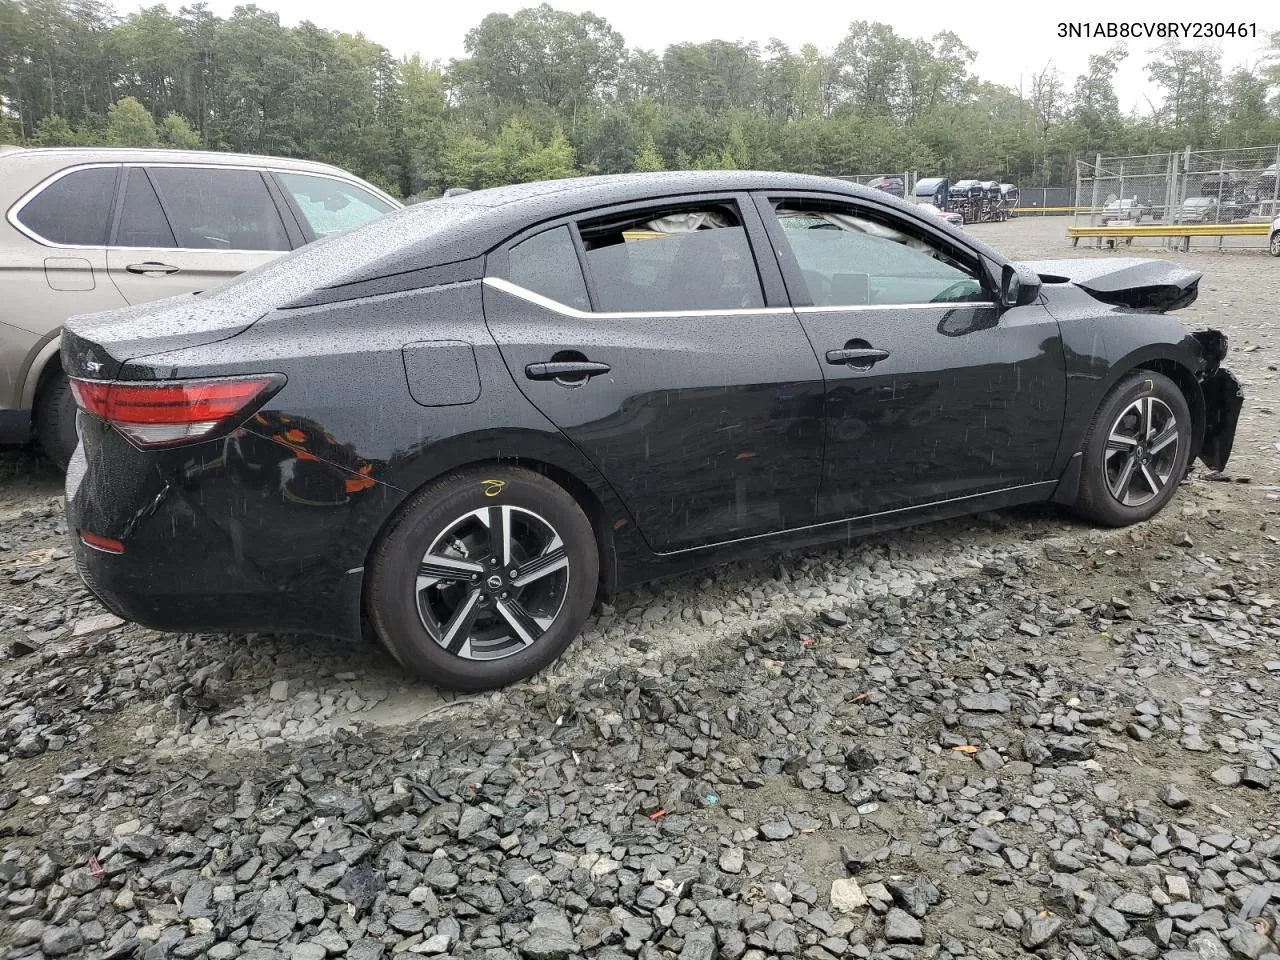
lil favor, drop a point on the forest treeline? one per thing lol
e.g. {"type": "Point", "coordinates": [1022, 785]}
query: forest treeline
{"type": "Point", "coordinates": [546, 93]}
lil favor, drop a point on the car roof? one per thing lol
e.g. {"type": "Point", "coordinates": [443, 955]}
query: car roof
{"type": "Point", "coordinates": [55, 158]}
{"type": "Point", "coordinates": [504, 211]}
{"type": "Point", "coordinates": [455, 229]}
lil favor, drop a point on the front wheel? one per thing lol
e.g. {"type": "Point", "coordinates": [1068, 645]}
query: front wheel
{"type": "Point", "coordinates": [484, 578]}
{"type": "Point", "coordinates": [1275, 244]}
{"type": "Point", "coordinates": [1136, 452]}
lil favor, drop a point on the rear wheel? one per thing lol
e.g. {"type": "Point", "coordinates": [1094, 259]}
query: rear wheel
{"type": "Point", "coordinates": [55, 420]}
{"type": "Point", "coordinates": [1137, 451]}
{"type": "Point", "coordinates": [1275, 244]}
{"type": "Point", "coordinates": [484, 578]}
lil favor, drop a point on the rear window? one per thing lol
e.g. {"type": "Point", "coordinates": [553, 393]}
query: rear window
{"type": "Point", "coordinates": [74, 209]}
{"type": "Point", "coordinates": [212, 209]}
{"type": "Point", "coordinates": [548, 264]}
{"type": "Point", "coordinates": [329, 205]}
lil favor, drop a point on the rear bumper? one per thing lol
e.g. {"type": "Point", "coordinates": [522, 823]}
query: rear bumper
{"type": "Point", "coordinates": [211, 546]}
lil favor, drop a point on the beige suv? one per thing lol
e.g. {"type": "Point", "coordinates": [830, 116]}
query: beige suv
{"type": "Point", "coordinates": [87, 229]}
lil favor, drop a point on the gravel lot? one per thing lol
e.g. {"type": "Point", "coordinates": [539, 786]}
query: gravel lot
{"type": "Point", "coordinates": [999, 735]}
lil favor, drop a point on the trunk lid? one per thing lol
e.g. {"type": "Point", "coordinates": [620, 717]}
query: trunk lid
{"type": "Point", "coordinates": [1133, 282]}
{"type": "Point", "coordinates": [97, 345]}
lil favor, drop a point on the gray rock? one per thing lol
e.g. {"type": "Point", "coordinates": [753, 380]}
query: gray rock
{"type": "Point", "coordinates": [1038, 931]}
{"type": "Point", "coordinates": [61, 941]}
{"type": "Point", "coordinates": [776, 830]}
{"type": "Point", "coordinates": [732, 860]}
{"type": "Point", "coordinates": [901, 927]}
{"type": "Point", "coordinates": [699, 944]}
{"type": "Point", "coordinates": [1174, 798]}
{"type": "Point", "coordinates": [365, 949]}
{"type": "Point", "coordinates": [27, 932]}
{"type": "Point", "coordinates": [1226, 776]}
{"type": "Point", "coordinates": [847, 896]}
{"type": "Point", "coordinates": [1134, 905]}
{"type": "Point", "coordinates": [1111, 922]}
{"type": "Point", "coordinates": [996, 702]}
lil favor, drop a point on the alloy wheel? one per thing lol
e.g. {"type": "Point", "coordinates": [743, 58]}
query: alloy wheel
{"type": "Point", "coordinates": [492, 583]}
{"type": "Point", "coordinates": [1142, 449]}
{"type": "Point", "coordinates": [1275, 244]}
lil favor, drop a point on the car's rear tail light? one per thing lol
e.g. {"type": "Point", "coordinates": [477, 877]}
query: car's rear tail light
{"type": "Point", "coordinates": [105, 544]}
{"type": "Point", "coordinates": [168, 412]}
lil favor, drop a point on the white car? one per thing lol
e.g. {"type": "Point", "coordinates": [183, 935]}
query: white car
{"type": "Point", "coordinates": [952, 218]}
{"type": "Point", "coordinates": [1274, 246]}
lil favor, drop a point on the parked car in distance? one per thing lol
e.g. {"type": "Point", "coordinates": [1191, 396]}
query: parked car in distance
{"type": "Point", "coordinates": [89, 229]}
{"type": "Point", "coordinates": [1273, 244]}
{"type": "Point", "coordinates": [1130, 210]}
{"type": "Point", "coordinates": [890, 184]}
{"type": "Point", "coordinates": [1220, 184]}
{"type": "Point", "coordinates": [1199, 210]}
{"type": "Point", "coordinates": [467, 420]}
{"type": "Point", "coordinates": [949, 216]}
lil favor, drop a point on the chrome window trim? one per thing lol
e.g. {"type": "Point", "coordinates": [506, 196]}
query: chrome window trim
{"type": "Point", "coordinates": [22, 201]}
{"type": "Point", "coordinates": [555, 306]}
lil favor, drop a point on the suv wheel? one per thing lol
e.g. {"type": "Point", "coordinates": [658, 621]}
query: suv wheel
{"type": "Point", "coordinates": [55, 420]}
{"type": "Point", "coordinates": [484, 578]}
{"type": "Point", "coordinates": [1275, 244]}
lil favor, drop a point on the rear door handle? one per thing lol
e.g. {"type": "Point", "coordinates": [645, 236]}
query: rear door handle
{"type": "Point", "coordinates": [152, 266]}
{"type": "Point", "coordinates": [565, 370]}
{"type": "Point", "coordinates": [857, 356]}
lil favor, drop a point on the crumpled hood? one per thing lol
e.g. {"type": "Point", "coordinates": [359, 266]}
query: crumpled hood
{"type": "Point", "coordinates": [1133, 282]}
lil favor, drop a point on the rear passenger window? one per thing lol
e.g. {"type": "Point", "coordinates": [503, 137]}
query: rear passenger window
{"type": "Point", "coordinates": [213, 209]}
{"type": "Point", "coordinates": [75, 209]}
{"type": "Point", "coordinates": [672, 259]}
{"type": "Point", "coordinates": [548, 264]}
{"type": "Point", "coordinates": [142, 222]}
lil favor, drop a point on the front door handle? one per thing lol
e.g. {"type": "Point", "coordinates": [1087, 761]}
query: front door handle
{"type": "Point", "coordinates": [565, 370]}
{"type": "Point", "coordinates": [857, 356]}
{"type": "Point", "coordinates": [151, 267]}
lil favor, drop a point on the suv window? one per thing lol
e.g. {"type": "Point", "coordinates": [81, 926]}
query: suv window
{"type": "Point", "coordinates": [548, 264]}
{"type": "Point", "coordinates": [331, 205]}
{"type": "Point", "coordinates": [142, 221]}
{"type": "Point", "coordinates": [214, 209]}
{"type": "Point", "coordinates": [672, 259]}
{"type": "Point", "coordinates": [74, 209]}
{"type": "Point", "coordinates": [849, 259]}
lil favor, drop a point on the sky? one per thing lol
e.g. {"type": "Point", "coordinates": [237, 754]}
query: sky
{"type": "Point", "coordinates": [1011, 46]}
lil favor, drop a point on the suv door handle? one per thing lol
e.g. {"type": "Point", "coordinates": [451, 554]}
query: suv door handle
{"type": "Point", "coordinates": [152, 266]}
{"type": "Point", "coordinates": [857, 356]}
{"type": "Point", "coordinates": [565, 370]}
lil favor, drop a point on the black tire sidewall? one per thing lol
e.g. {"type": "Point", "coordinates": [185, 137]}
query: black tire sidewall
{"type": "Point", "coordinates": [1096, 502]}
{"type": "Point", "coordinates": [393, 572]}
{"type": "Point", "coordinates": [55, 420]}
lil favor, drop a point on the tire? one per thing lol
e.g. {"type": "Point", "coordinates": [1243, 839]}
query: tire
{"type": "Point", "coordinates": [512, 629]}
{"type": "Point", "coordinates": [1274, 246]}
{"type": "Point", "coordinates": [55, 420]}
{"type": "Point", "coordinates": [1118, 442]}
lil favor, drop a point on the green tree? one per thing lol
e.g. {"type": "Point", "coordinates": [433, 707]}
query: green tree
{"type": "Point", "coordinates": [129, 124]}
{"type": "Point", "coordinates": [647, 160]}
{"type": "Point", "coordinates": [53, 131]}
{"type": "Point", "coordinates": [174, 131]}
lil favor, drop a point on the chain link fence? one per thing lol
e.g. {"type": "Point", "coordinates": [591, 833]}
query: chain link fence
{"type": "Point", "coordinates": [1213, 187]}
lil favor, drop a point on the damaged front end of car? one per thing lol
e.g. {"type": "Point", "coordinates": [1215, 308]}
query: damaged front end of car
{"type": "Point", "coordinates": [1223, 399]}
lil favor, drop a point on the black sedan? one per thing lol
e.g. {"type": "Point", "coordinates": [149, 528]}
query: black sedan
{"type": "Point", "coordinates": [461, 424]}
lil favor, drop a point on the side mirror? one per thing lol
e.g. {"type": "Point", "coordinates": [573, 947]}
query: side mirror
{"type": "Point", "coordinates": [1019, 285]}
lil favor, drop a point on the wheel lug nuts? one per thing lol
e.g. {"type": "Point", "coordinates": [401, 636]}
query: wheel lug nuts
{"type": "Point", "coordinates": [504, 594]}
{"type": "Point", "coordinates": [493, 561]}
{"type": "Point", "coordinates": [475, 576]}
{"type": "Point", "coordinates": [511, 574]}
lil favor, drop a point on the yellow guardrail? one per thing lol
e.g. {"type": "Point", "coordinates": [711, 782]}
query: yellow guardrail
{"type": "Point", "coordinates": [1021, 210]}
{"type": "Point", "coordinates": [1185, 231]}
{"type": "Point", "coordinates": [1175, 230]}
